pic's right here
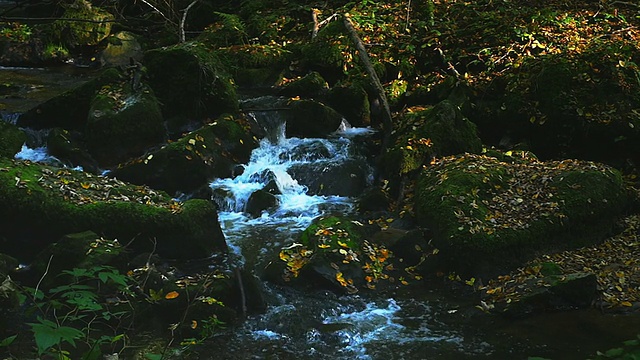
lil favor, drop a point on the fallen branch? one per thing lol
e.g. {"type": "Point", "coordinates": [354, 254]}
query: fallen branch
{"type": "Point", "coordinates": [387, 125]}
{"type": "Point", "coordinates": [317, 25]}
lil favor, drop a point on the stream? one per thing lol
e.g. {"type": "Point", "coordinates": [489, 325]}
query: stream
{"type": "Point", "coordinates": [425, 324]}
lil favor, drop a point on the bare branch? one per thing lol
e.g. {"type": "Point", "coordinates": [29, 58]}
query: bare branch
{"type": "Point", "coordinates": [184, 19]}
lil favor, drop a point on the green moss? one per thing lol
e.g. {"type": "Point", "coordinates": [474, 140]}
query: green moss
{"type": "Point", "coordinates": [11, 139]}
{"type": "Point", "coordinates": [189, 79]}
{"type": "Point", "coordinates": [90, 32]}
{"type": "Point", "coordinates": [194, 159]}
{"type": "Point", "coordinates": [426, 133]}
{"type": "Point", "coordinates": [308, 86]}
{"type": "Point", "coordinates": [123, 123]}
{"type": "Point", "coordinates": [56, 202]}
{"type": "Point", "coordinates": [491, 215]}
{"type": "Point", "coordinates": [327, 233]}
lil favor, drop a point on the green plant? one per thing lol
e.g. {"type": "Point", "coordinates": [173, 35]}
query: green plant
{"type": "Point", "coordinates": [55, 51]}
{"type": "Point", "coordinates": [14, 31]}
{"type": "Point", "coordinates": [79, 311]}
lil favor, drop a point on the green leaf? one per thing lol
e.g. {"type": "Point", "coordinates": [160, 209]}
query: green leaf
{"type": "Point", "coordinates": [7, 341]}
{"type": "Point", "coordinates": [153, 356]}
{"type": "Point", "coordinates": [614, 352]}
{"type": "Point", "coordinates": [48, 334]}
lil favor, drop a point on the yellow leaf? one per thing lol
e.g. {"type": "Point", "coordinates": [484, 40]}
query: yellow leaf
{"type": "Point", "coordinates": [171, 295]}
{"type": "Point", "coordinates": [192, 141]}
{"type": "Point", "coordinates": [324, 246]}
{"type": "Point", "coordinates": [85, 185]}
{"type": "Point", "coordinates": [626, 303]}
{"type": "Point", "coordinates": [194, 324]}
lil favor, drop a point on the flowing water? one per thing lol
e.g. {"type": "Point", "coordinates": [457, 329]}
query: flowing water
{"type": "Point", "coordinates": [426, 324]}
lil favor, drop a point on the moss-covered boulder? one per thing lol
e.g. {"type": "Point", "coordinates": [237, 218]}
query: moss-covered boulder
{"type": "Point", "coordinates": [195, 159]}
{"type": "Point", "coordinates": [310, 85]}
{"type": "Point", "coordinates": [309, 118]}
{"type": "Point", "coordinates": [352, 102]}
{"type": "Point", "coordinates": [121, 48]}
{"type": "Point", "coordinates": [190, 81]}
{"type": "Point", "coordinates": [422, 134]}
{"type": "Point", "coordinates": [11, 139]}
{"type": "Point", "coordinates": [255, 66]}
{"type": "Point", "coordinates": [54, 202]}
{"type": "Point", "coordinates": [83, 24]}
{"type": "Point", "coordinates": [123, 122]}
{"type": "Point", "coordinates": [490, 215]}
{"type": "Point", "coordinates": [68, 110]}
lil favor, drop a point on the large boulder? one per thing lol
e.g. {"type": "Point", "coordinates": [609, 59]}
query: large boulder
{"type": "Point", "coordinates": [422, 134]}
{"type": "Point", "coordinates": [123, 121]}
{"type": "Point", "coordinates": [45, 203]}
{"type": "Point", "coordinates": [309, 118]}
{"type": "Point", "coordinates": [195, 159]}
{"type": "Point", "coordinates": [490, 214]}
{"type": "Point", "coordinates": [67, 147]}
{"type": "Point", "coordinates": [307, 86]}
{"type": "Point", "coordinates": [328, 177]}
{"type": "Point", "coordinates": [121, 48]}
{"type": "Point", "coordinates": [190, 81]}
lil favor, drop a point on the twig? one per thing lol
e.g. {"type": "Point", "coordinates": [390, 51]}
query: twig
{"type": "Point", "coordinates": [4, 18]}
{"type": "Point", "coordinates": [184, 19]}
{"type": "Point", "coordinates": [406, 26]}
{"type": "Point", "coordinates": [46, 271]}
{"type": "Point", "coordinates": [158, 11]}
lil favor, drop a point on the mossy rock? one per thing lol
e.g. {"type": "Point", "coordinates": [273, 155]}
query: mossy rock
{"type": "Point", "coordinates": [490, 216]}
{"type": "Point", "coordinates": [123, 123]}
{"type": "Point", "coordinates": [121, 48]}
{"type": "Point", "coordinates": [190, 80]}
{"type": "Point", "coordinates": [68, 110]}
{"type": "Point", "coordinates": [311, 119]}
{"type": "Point", "coordinates": [195, 159]}
{"type": "Point", "coordinates": [11, 139]}
{"type": "Point", "coordinates": [352, 102]}
{"type": "Point", "coordinates": [333, 252]}
{"type": "Point", "coordinates": [92, 24]}
{"type": "Point", "coordinates": [310, 85]}
{"type": "Point", "coordinates": [55, 202]}
{"type": "Point", "coordinates": [426, 133]}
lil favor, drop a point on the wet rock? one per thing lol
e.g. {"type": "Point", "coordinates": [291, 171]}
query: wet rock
{"type": "Point", "coordinates": [212, 151]}
{"type": "Point", "coordinates": [123, 122]}
{"type": "Point", "coordinates": [308, 151]}
{"type": "Point", "coordinates": [11, 139]}
{"type": "Point", "coordinates": [66, 146]}
{"type": "Point", "coordinates": [345, 178]}
{"type": "Point", "coordinates": [259, 201]}
{"type": "Point", "coordinates": [352, 102]}
{"type": "Point", "coordinates": [309, 119]}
